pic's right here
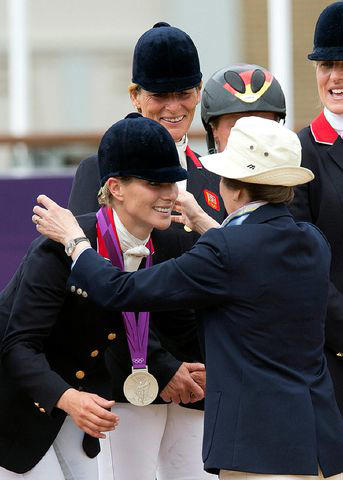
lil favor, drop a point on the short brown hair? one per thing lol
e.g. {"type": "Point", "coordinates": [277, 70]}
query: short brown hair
{"type": "Point", "coordinates": [265, 193]}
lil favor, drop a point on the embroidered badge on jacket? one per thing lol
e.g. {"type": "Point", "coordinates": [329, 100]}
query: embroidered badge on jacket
{"type": "Point", "coordinates": [212, 200]}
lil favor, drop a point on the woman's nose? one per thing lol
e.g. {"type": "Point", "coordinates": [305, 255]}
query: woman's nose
{"type": "Point", "coordinates": [337, 73]}
{"type": "Point", "coordinates": [170, 192]}
{"type": "Point", "coordinates": [172, 102]}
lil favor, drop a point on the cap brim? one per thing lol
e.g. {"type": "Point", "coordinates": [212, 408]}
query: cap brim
{"type": "Point", "coordinates": [283, 176]}
{"type": "Point", "coordinates": [329, 53]}
{"type": "Point", "coordinates": [160, 175]}
{"type": "Point", "coordinates": [166, 85]}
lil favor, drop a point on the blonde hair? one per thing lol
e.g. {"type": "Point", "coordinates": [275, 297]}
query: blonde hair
{"type": "Point", "coordinates": [105, 197]}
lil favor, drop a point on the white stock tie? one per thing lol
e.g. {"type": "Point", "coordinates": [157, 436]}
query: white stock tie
{"type": "Point", "coordinates": [133, 248]}
{"type": "Point", "coordinates": [133, 257]}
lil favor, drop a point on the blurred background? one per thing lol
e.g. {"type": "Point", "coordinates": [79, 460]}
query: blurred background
{"type": "Point", "coordinates": [65, 67]}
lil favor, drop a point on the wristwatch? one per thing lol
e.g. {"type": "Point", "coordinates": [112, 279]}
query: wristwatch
{"type": "Point", "coordinates": [71, 244]}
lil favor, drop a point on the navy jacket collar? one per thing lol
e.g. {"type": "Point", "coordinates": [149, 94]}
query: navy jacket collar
{"type": "Point", "coordinates": [268, 212]}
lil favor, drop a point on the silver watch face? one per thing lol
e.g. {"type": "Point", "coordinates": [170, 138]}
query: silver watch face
{"type": "Point", "coordinates": [69, 248]}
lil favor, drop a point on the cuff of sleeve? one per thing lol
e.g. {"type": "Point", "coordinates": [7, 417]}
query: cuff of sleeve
{"type": "Point", "coordinates": [78, 256]}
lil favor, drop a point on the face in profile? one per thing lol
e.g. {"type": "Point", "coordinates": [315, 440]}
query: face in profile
{"type": "Point", "coordinates": [222, 125]}
{"type": "Point", "coordinates": [175, 111]}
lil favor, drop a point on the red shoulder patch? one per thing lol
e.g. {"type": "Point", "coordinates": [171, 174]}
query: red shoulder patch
{"type": "Point", "coordinates": [212, 200]}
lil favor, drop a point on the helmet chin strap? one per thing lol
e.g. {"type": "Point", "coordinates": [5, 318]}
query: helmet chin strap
{"type": "Point", "coordinates": [211, 145]}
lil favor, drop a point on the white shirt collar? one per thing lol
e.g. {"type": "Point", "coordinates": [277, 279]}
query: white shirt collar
{"type": "Point", "coordinates": [335, 120]}
{"type": "Point", "coordinates": [181, 150]}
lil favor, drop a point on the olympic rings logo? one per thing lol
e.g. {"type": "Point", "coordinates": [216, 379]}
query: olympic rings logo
{"type": "Point", "coordinates": [138, 360]}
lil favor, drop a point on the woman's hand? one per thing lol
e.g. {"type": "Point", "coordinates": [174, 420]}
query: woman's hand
{"type": "Point", "coordinates": [55, 222]}
{"type": "Point", "coordinates": [89, 412]}
{"type": "Point", "coordinates": [183, 387]}
{"type": "Point", "coordinates": [192, 215]}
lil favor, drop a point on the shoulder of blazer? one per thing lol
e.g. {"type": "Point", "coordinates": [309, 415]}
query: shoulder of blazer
{"type": "Point", "coordinates": [43, 245]}
{"type": "Point", "coordinates": [268, 212]}
{"type": "Point", "coordinates": [88, 224]}
{"type": "Point", "coordinates": [90, 162]}
{"type": "Point", "coordinates": [322, 131]}
{"type": "Point", "coordinates": [318, 141]}
{"type": "Point", "coordinates": [194, 163]}
{"type": "Point", "coordinates": [194, 157]}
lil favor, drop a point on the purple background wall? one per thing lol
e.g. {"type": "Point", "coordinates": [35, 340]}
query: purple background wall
{"type": "Point", "coordinates": [17, 198]}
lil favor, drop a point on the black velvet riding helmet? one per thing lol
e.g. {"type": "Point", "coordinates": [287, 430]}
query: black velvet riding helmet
{"type": "Point", "coordinates": [139, 147]}
{"type": "Point", "coordinates": [165, 60]}
{"type": "Point", "coordinates": [328, 35]}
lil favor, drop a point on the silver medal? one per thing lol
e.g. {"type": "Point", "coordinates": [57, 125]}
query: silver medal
{"type": "Point", "coordinates": [140, 388]}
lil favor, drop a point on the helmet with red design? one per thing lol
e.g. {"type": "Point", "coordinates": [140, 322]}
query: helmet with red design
{"type": "Point", "coordinates": [240, 88]}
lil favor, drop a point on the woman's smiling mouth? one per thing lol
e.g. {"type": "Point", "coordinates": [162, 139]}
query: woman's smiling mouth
{"type": "Point", "coordinates": [173, 119]}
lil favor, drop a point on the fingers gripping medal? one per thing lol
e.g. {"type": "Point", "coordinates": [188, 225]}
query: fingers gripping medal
{"type": "Point", "coordinates": [140, 388]}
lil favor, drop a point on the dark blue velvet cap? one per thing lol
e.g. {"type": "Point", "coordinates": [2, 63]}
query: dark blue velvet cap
{"type": "Point", "coordinates": [328, 35]}
{"type": "Point", "coordinates": [165, 60]}
{"type": "Point", "coordinates": [139, 147]}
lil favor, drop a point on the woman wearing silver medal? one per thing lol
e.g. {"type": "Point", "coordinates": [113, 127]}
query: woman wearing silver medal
{"type": "Point", "coordinates": [54, 385]}
{"type": "Point", "coordinates": [166, 84]}
{"type": "Point", "coordinates": [260, 285]}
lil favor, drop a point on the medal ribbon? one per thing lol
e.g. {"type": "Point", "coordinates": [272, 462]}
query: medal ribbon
{"type": "Point", "coordinates": [137, 331]}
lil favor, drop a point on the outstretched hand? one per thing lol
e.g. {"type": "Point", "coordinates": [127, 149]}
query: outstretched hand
{"type": "Point", "coordinates": [89, 412]}
{"type": "Point", "coordinates": [55, 222]}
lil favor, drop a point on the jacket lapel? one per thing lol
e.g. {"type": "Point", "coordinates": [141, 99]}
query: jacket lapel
{"type": "Point", "coordinates": [197, 181]}
{"type": "Point", "coordinates": [88, 224]}
{"type": "Point", "coordinates": [335, 153]}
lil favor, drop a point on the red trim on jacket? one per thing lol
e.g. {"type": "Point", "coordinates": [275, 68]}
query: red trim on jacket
{"type": "Point", "coordinates": [193, 157]}
{"type": "Point", "coordinates": [322, 131]}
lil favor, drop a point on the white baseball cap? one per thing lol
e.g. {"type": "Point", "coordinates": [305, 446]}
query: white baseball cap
{"type": "Point", "coordinates": [260, 151]}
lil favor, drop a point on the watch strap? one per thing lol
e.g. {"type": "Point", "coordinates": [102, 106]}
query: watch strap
{"type": "Point", "coordinates": [81, 239]}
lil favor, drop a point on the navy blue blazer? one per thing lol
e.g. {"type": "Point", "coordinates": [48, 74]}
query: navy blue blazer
{"type": "Point", "coordinates": [321, 203]}
{"type": "Point", "coordinates": [261, 293]}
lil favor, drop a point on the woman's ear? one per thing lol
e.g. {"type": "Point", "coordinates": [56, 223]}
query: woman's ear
{"type": "Point", "coordinates": [237, 195]}
{"type": "Point", "coordinates": [134, 96]}
{"type": "Point", "coordinates": [198, 92]}
{"type": "Point", "coordinates": [115, 187]}
{"type": "Point", "coordinates": [242, 196]}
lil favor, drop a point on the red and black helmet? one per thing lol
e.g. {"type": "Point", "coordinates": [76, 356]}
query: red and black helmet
{"type": "Point", "coordinates": [237, 89]}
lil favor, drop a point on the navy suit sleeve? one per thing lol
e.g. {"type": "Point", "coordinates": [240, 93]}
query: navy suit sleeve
{"type": "Point", "coordinates": [86, 184]}
{"type": "Point", "coordinates": [198, 278]}
{"type": "Point", "coordinates": [35, 310]}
